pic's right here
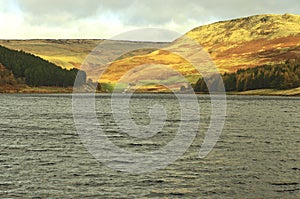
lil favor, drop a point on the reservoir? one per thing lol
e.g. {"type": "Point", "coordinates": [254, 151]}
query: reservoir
{"type": "Point", "coordinates": [256, 156]}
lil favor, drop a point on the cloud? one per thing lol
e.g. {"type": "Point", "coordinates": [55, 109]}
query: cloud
{"type": "Point", "coordinates": [56, 12]}
{"type": "Point", "coordinates": [105, 18]}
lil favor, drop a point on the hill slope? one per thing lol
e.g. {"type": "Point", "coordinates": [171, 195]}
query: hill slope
{"type": "Point", "coordinates": [67, 53]}
{"type": "Point", "coordinates": [250, 41]}
{"type": "Point", "coordinates": [234, 44]}
{"type": "Point", "coordinates": [18, 66]}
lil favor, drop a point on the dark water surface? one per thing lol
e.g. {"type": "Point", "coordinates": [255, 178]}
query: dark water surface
{"type": "Point", "coordinates": [257, 155]}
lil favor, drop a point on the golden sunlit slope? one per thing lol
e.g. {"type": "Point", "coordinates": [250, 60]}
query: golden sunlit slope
{"type": "Point", "coordinates": [247, 29]}
{"type": "Point", "coordinates": [70, 53]}
{"type": "Point", "coordinates": [250, 41]}
{"type": "Point", "coordinates": [233, 44]}
{"type": "Point", "coordinates": [65, 53]}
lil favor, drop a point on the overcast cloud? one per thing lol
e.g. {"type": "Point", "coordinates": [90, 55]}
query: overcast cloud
{"type": "Point", "coordinates": [21, 19]}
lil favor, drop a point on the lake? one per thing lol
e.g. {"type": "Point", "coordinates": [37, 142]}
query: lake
{"type": "Point", "coordinates": [256, 156]}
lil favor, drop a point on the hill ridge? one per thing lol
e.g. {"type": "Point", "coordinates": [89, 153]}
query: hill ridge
{"type": "Point", "coordinates": [249, 28]}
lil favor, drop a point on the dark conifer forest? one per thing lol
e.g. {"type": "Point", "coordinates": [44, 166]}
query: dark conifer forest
{"type": "Point", "coordinates": [35, 71]}
{"type": "Point", "coordinates": [278, 76]}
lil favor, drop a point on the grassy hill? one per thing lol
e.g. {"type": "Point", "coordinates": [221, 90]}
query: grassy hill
{"type": "Point", "coordinates": [20, 68]}
{"type": "Point", "coordinates": [251, 41]}
{"type": "Point", "coordinates": [233, 44]}
{"type": "Point", "coordinates": [68, 53]}
{"type": "Point", "coordinates": [65, 53]}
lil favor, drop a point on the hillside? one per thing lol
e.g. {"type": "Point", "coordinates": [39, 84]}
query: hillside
{"type": "Point", "coordinates": [69, 53]}
{"type": "Point", "coordinates": [234, 44]}
{"type": "Point", "coordinates": [20, 68]}
{"type": "Point", "coordinates": [250, 28]}
{"type": "Point", "coordinates": [250, 41]}
{"type": "Point", "coordinates": [283, 76]}
{"type": "Point", "coordinates": [65, 53]}
{"type": "Point", "coordinates": [245, 42]}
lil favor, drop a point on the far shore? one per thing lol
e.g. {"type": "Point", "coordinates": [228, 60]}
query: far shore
{"type": "Point", "coordinates": [61, 90]}
{"type": "Point", "coordinates": [37, 90]}
{"type": "Point", "coordinates": [269, 92]}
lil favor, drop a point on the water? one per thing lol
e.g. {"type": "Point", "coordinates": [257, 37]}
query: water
{"type": "Point", "coordinates": [257, 155]}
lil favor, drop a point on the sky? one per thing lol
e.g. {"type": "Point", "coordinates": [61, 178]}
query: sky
{"type": "Point", "coordinates": [103, 19]}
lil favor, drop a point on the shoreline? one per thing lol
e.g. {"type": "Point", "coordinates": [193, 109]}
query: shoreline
{"type": "Point", "coordinates": [68, 90]}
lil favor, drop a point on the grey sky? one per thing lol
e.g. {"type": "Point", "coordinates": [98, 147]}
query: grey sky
{"type": "Point", "coordinates": [106, 18]}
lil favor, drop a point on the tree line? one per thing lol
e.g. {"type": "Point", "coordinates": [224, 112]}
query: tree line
{"type": "Point", "coordinates": [274, 76]}
{"type": "Point", "coordinates": [36, 71]}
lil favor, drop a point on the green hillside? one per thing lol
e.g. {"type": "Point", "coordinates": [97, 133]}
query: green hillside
{"type": "Point", "coordinates": [277, 76]}
{"type": "Point", "coordinates": [35, 71]}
